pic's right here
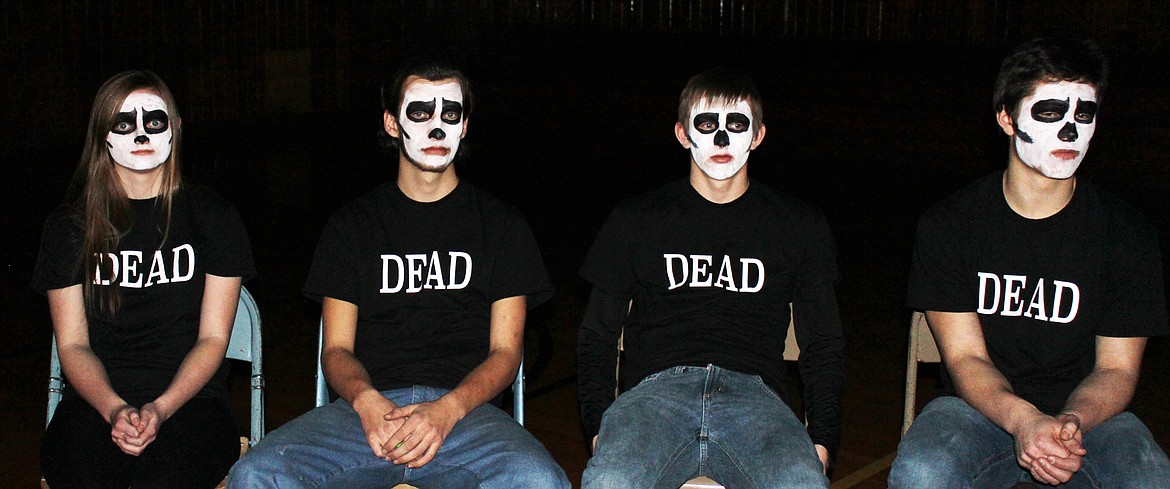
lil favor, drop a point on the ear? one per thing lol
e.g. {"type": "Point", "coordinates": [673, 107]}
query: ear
{"type": "Point", "coordinates": [680, 133]}
{"type": "Point", "coordinates": [390, 124]}
{"type": "Point", "coordinates": [1005, 122]}
{"type": "Point", "coordinates": [759, 136]}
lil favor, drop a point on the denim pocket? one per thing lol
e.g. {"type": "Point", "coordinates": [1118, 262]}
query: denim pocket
{"type": "Point", "coordinates": [763, 385]}
{"type": "Point", "coordinates": [650, 378]}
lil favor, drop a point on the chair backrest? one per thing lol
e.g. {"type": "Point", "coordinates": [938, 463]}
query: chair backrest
{"type": "Point", "coordinates": [922, 349]}
{"type": "Point", "coordinates": [323, 389]}
{"type": "Point", "coordinates": [245, 345]}
{"type": "Point", "coordinates": [791, 349]}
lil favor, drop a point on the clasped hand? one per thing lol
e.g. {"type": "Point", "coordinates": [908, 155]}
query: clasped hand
{"type": "Point", "coordinates": [133, 429]}
{"type": "Point", "coordinates": [409, 435]}
{"type": "Point", "coordinates": [1050, 447]}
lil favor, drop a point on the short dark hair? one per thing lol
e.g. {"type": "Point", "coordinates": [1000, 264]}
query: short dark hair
{"type": "Point", "coordinates": [1048, 60]}
{"type": "Point", "coordinates": [430, 68]}
{"type": "Point", "coordinates": [721, 85]}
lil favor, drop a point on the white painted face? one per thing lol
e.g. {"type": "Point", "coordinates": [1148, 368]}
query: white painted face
{"type": "Point", "coordinates": [431, 123]}
{"type": "Point", "coordinates": [1054, 127]}
{"type": "Point", "coordinates": [721, 137]}
{"type": "Point", "coordinates": [141, 136]}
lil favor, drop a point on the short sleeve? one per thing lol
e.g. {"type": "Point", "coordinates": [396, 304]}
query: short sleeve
{"type": "Point", "coordinates": [333, 272]}
{"type": "Point", "coordinates": [1135, 302]}
{"type": "Point", "coordinates": [519, 268]}
{"type": "Point", "coordinates": [228, 250]}
{"type": "Point", "coordinates": [58, 261]}
{"type": "Point", "coordinates": [936, 275]}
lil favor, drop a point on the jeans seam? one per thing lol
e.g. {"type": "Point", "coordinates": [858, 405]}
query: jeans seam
{"type": "Point", "coordinates": [738, 467]}
{"type": "Point", "coordinates": [1087, 469]}
{"type": "Point", "coordinates": [994, 460]}
{"type": "Point", "coordinates": [763, 385]}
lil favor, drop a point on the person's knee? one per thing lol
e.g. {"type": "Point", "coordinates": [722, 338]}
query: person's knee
{"type": "Point", "coordinates": [608, 472]}
{"type": "Point", "coordinates": [540, 474]}
{"type": "Point", "coordinates": [257, 468]}
{"type": "Point", "coordinates": [910, 472]}
{"type": "Point", "coordinates": [920, 463]}
{"type": "Point", "coordinates": [607, 477]}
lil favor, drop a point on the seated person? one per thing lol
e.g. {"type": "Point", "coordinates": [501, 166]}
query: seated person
{"type": "Point", "coordinates": [699, 275]}
{"type": "Point", "coordinates": [143, 276]}
{"type": "Point", "coordinates": [1041, 289]}
{"type": "Point", "coordinates": [425, 283]}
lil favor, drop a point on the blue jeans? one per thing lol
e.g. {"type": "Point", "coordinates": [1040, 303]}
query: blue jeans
{"type": "Point", "coordinates": [690, 421]}
{"type": "Point", "coordinates": [951, 445]}
{"type": "Point", "coordinates": [326, 447]}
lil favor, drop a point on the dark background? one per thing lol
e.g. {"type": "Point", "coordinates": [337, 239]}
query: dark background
{"type": "Point", "coordinates": [875, 109]}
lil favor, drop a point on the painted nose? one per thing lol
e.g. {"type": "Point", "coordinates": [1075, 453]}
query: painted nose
{"type": "Point", "coordinates": [721, 139]}
{"type": "Point", "coordinates": [141, 140]}
{"type": "Point", "coordinates": [1068, 133]}
{"type": "Point", "coordinates": [437, 133]}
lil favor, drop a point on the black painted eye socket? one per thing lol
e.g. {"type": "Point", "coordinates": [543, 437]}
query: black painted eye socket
{"type": "Point", "coordinates": [1050, 110]}
{"type": "Point", "coordinates": [737, 122]}
{"type": "Point", "coordinates": [1086, 111]}
{"type": "Point", "coordinates": [420, 111]}
{"type": "Point", "coordinates": [124, 123]}
{"type": "Point", "coordinates": [452, 112]}
{"type": "Point", "coordinates": [155, 121]}
{"type": "Point", "coordinates": [706, 123]}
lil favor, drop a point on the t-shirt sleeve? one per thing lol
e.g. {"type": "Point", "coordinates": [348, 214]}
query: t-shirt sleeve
{"type": "Point", "coordinates": [1135, 302]}
{"type": "Point", "coordinates": [227, 249]}
{"type": "Point", "coordinates": [334, 267]}
{"type": "Point", "coordinates": [936, 275]}
{"type": "Point", "coordinates": [57, 263]}
{"type": "Point", "coordinates": [608, 265]}
{"type": "Point", "coordinates": [518, 268]}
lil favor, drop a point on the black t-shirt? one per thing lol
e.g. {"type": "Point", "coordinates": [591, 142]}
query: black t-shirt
{"type": "Point", "coordinates": [161, 285]}
{"type": "Point", "coordinates": [424, 277]}
{"type": "Point", "coordinates": [1043, 288]}
{"type": "Point", "coordinates": [711, 284]}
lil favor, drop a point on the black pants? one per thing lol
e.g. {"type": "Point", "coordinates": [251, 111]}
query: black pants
{"type": "Point", "coordinates": [193, 449]}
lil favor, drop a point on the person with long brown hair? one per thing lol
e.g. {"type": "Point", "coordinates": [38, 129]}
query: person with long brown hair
{"type": "Point", "coordinates": [142, 273]}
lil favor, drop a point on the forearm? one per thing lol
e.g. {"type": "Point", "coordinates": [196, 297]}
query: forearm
{"type": "Point", "coordinates": [82, 367]}
{"type": "Point", "coordinates": [88, 377]}
{"type": "Point", "coordinates": [348, 377]}
{"type": "Point", "coordinates": [200, 364]}
{"type": "Point", "coordinates": [485, 382]}
{"type": "Point", "coordinates": [976, 378]}
{"type": "Point", "coordinates": [505, 350]}
{"type": "Point", "coordinates": [217, 312]}
{"type": "Point", "coordinates": [1102, 395]}
{"type": "Point", "coordinates": [982, 386]}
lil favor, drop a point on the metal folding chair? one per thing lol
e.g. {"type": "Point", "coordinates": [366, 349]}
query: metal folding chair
{"type": "Point", "coordinates": [922, 349]}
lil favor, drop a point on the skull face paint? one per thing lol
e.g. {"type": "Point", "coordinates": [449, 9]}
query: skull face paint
{"type": "Point", "coordinates": [720, 137]}
{"type": "Point", "coordinates": [1054, 127]}
{"type": "Point", "coordinates": [141, 137]}
{"type": "Point", "coordinates": [431, 123]}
